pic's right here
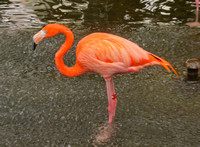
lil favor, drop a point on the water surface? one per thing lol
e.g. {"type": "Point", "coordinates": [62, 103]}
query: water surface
{"type": "Point", "coordinates": [41, 107]}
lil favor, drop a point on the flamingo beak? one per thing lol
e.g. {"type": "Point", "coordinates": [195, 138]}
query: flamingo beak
{"type": "Point", "coordinates": [38, 37]}
{"type": "Point", "coordinates": [34, 45]}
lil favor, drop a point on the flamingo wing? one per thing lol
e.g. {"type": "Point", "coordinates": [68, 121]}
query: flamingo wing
{"type": "Point", "coordinates": [109, 54]}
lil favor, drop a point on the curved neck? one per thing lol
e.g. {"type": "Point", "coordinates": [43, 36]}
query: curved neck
{"type": "Point", "coordinates": [63, 69]}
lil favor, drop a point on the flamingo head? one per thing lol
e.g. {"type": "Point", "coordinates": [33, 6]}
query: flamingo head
{"type": "Point", "coordinates": [49, 30]}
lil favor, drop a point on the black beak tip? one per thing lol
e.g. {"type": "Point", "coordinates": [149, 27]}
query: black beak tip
{"type": "Point", "coordinates": [34, 45]}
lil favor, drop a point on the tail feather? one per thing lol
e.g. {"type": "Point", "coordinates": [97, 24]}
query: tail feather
{"type": "Point", "coordinates": [162, 62]}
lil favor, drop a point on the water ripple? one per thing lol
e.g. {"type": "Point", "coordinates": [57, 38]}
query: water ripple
{"type": "Point", "coordinates": [18, 14]}
{"type": "Point", "coordinates": [36, 13]}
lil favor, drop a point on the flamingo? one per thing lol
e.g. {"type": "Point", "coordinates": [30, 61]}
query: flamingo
{"type": "Point", "coordinates": [102, 53]}
{"type": "Point", "coordinates": [196, 22]}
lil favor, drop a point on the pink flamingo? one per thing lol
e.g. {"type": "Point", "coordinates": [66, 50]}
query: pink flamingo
{"type": "Point", "coordinates": [101, 53]}
{"type": "Point", "coordinates": [196, 23]}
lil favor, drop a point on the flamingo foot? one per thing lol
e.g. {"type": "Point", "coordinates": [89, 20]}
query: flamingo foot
{"type": "Point", "coordinates": [105, 133]}
{"type": "Point", "coordinates": [193, 24]}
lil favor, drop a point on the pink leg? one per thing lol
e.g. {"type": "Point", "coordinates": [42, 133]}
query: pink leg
{"type": "Point", "coordinates": [197, 4]}
{"type": "Point", "coordinates": [196, 23]}
{"type": "Point", "coordinates": [197, 11]}
{"type": "Point", "coordinates": [114, 97]}
{"type": "Point", "coordinates": [112, 100]}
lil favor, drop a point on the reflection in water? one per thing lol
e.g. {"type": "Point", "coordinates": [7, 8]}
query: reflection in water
{"type": "Point", "coordinates": [18, 13]}
{"type": "Point", "coordinates": [105, 133]}
{"type": "Point", "coordinates": [31, 13]}
{"type": "Point", "coordinates": [34, 13]}
{"type": "Point", "coordinates": [65, 12]}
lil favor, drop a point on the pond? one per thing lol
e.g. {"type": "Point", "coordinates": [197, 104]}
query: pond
{"type": "Point", "coordinates": [41, 107]}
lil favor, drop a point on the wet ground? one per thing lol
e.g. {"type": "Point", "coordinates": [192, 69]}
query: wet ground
{"type": "Point", "coordinates": [40, 107]}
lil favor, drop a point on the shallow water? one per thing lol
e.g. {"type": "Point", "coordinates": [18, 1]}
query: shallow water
{"type": "Point", "coordinates": [40, 107]}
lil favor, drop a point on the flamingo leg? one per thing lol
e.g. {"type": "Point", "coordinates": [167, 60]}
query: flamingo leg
{"type": "Point", "coordinates": [112, 99]}
{"type": "Point", "coordinates": [196, 23]}
{"type": "Point", "coordinates": [197, 11]}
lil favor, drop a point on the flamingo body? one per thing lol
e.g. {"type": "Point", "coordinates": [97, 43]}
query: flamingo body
{"type": "Point", "coordinates": [102, 53]}
{"type": "Point", "coordinates": [108, 54]}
